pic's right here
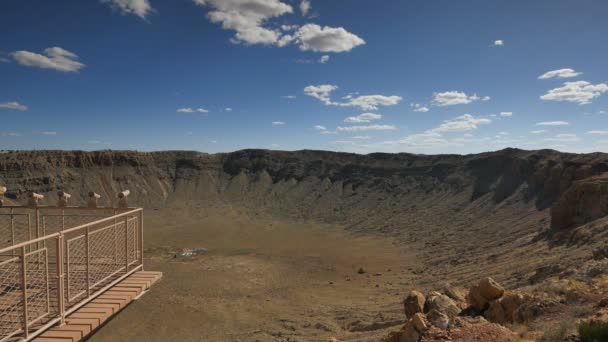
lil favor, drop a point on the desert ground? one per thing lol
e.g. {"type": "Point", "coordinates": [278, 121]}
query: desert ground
{"type": "Point", "coordinates": [262, 280]}
{"type": "Point", "coordinates": [260, 245]}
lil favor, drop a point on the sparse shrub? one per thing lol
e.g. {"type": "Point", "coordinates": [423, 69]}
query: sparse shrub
{"type": "Point", "coordinates": [593, 331]}
{"type": "Point", "coordinates": [557, 332]}
{"type": "Point", "coordinates": [581, 311]}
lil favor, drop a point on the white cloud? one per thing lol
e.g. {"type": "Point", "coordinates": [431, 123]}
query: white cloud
{"type": "Point", "coordinates": [312, 37]}
{"type": "Point", "coordinates": [581, 92]}
{"type": "Point", "coordinates": [54, 58]}
{"type": "Point", "coordinates": [553, 123]}
{"type": "Point", "coordinates": [560, 73]}
{"type": "Point", "coordinates": [247, 18]}
{"type": "Point", "coordinates": [499, 42]}
{"type": "Point", "coordinates": [425, 140]}
{"type": "Point", "coordinates": [365, 102]}
{"type": "Point", "coordinates": [279, 123]}
{"type": "Point", "coordinates": [305, 7]}
{"type": "Point", "coordinates": [366, 128]}
{"type": "Point", "coordinates": [10, 134]}
{"type": "Point", "coordinates": [320, 128]}
{"type": "Point", "coordinates": [362, 137]}
{"type": "Point", "coordinates": [324, 59]}
{"type": "Point", "coordinates": [48, 133]}
{"type": "Point", "coordinates": [13, 106]}
{"type": "Point", "coordinates": [192, 110]}
{"type": "Point", "coordinates": [462, 123]}
{"type": "Point", "coordinates": [564, 138]}
{"type": "Point", "coordinates": [228, 109]}
{"type": "Point", "coordinates": [289, 97]}
{"type": "Point", "coordinates": [4, 60]}
{"type": "Point", "coordinates": [417, 107]}
{"type": "Point", "coordinates": [598, 132]}
{"type": "Point", "coordinates": [540, 131]}
{"type": "Point", "coordinates": [140, 8]}
{"type": "Point", "coordinates": [362, 118]}
{"type": "Point", "coordinates": [451, 98]}
{"type": "Point", "coordinates": [372, 102]}
{"type": "Point", "coordinates": [506, 114]}
{"type": "Point", "coordinates": [321, 92]}
{"type": "Point", "coordinates": [486, 98]}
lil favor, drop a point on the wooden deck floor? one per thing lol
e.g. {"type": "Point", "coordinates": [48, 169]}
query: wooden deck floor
{"type": "Point", "coordinates": [85, 320]}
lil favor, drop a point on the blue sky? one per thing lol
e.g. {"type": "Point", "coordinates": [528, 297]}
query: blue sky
{"type": "Point", "coordinates": [422, 76]}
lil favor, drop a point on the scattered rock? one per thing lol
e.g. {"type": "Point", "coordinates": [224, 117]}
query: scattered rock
{"type": "Point", "coordinates": [438, 319]}
{"type": "Point", "coordinates": [413, 303]}
{"type": "Point", "coordinates": [361, 270]}
{"type": "Point", "coordinates": [443, 304]}
{"type": "Point", "coordinates": [495, 312]}
{"type": "Point", "coordinates": [481, 294]}
{"type": "Point", "coordinates": [418, 321]}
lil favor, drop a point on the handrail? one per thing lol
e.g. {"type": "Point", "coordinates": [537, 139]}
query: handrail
{"type": "Point", "coordinates": [63, 208]}
{"type": "Point", "coordinates": [42, 238]}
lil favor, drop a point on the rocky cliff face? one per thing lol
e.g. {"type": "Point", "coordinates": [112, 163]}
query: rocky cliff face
{"type": "Point", "coordinates": [326, 185]}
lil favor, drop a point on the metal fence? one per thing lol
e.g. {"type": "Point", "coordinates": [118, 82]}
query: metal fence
{"type": "Point", "coordinates": [55, 260]}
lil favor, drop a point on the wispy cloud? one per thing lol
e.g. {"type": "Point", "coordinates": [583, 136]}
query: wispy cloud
{"type": "Point", "coordinates": [466, 122]}
{"type": "Point", "coordinates": [452, 98]}
{"type": "Point", "coordinates": [365, 102]}
{"type": "Point", "coordinates": [13, 106]}
{"type": "Point", "coordinates": [366, 128]}
{"type": "Point", "coordinates": [305, 7]}
{"type": "Point", "coordinates": [419, 108]}
{"type": "Point", "coordinates": [192, 110]}
{"type": "Point", "coordinates": [279, 123]}
{"type": "Point", "coordinates": [553, 123]}
{"type": "Point", "coordinates": [581, 92]}
{"type": "Point", "coordinates": [560, 73]}
{"type": "Point", "coordinates": [499, 42]}
{"type": "Point", "coordinates": [54, 58]}
{"type": "Point", "coordinates": [140, 8]}
{"type": "Point", "coordinates": [363, 118]}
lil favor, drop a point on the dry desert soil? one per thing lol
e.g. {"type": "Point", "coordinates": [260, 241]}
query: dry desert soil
{"type": "Point", "coordinates": [314, 245]}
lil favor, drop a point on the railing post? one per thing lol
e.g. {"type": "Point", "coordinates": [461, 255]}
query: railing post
{"type": "Point", "coordinates": [60, 280]}
{"type": "Point", "coordinates": [24, 289]}
{"type": "Point", "coordinates": [141, 238]}
{"type": "Point", "coordinates": [88, 256]}
{"type": "Point", "coordinates": [13, 230]}
{"type": "Point", "coordinates": [115, 239]}
{"type": "Point", "coordinates": [126, 243]}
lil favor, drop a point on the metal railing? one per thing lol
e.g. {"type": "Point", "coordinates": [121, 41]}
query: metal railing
{"type": "Point", "coordinates": [54, 260]}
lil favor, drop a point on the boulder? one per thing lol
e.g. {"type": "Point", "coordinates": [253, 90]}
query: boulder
{"type": "Point", "coordinates": [481, 294]}
{"type": "Point", "coordinates": [438, 319]}
{"type": "Point", "coordinates": [490, 289]}
{"type": "Point", "coordinates": [511, 302]}
{"type": "Point", "coordinates": [418, 321]}
{"type": "Point", "coordinates": [410, 334]}
{"type": "Point", "coordinates": [453, 293]}
{"type": "Point", "coordinates": [443, 304]}
{"type": "Point", "coordinates": [413, 303]}
{"type": "Point", "coordinates": [496, 312]}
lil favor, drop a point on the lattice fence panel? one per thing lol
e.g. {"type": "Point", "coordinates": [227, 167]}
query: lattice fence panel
{"type": "Point", "coordinates": [11, 297]}
{"type": "Point", "coordinates": [37, 286]}
{"type": "Point", "coordinates": [75, 269]}
{"type": "Point", "coordinates": [107, 248]}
